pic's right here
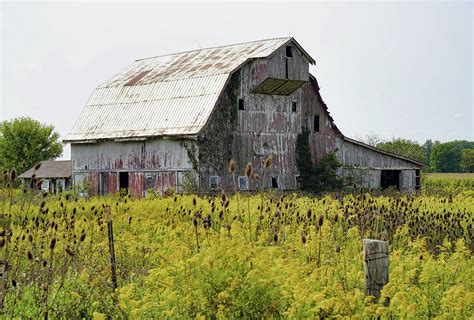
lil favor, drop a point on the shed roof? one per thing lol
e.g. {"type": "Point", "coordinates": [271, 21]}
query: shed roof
{"type": "Point", "coordinates": [166, 95]}
{"type": "Point", "coordinates": [50, 169]}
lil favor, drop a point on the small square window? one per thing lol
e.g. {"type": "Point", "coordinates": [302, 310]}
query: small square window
{"type": "Point", "coordinates": [275, 182]}
{"type": "Point", "coordinates": [293, 106]}
{"type": "Point", "coordinates": [243, 183]}
{"type": "Point", "coordinates": [241, 104]}
{"type": "Point", "coordinates": [214, 182]}
{"type": "Point", "coordinates": [316, 123]}
{"type": "Point", "coordinates": [297, 181]}
{"type": "Point", "coordinates": [289, 51]}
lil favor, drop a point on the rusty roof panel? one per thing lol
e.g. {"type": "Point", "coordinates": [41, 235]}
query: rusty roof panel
{"type": "Point", "coordinates": [166, 95]}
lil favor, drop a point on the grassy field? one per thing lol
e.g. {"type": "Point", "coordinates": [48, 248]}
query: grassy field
{"type": "Point", "coordinates": [450, 176]}
{"type": "Point", "coordinates": [228, 257]}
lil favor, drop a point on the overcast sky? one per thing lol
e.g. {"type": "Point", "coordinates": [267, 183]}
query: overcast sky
{"type": "Point", "coordinates": [400, 69]}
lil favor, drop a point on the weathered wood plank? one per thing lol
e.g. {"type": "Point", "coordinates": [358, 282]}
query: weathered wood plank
{"type": "Point", "coordinates": [375, 266]}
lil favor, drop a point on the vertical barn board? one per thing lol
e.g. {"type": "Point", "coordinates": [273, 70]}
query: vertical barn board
{"type": "Point", "coordinates": [136, 184]}
{"type": "Point", "coordinates": [407, 180]}
{"type": "Point", "coordinates": [168, 181]}
{"type": "Point", "coordinates": [93, 180]}
{"type": "Point", "coordinates": [113, 182]}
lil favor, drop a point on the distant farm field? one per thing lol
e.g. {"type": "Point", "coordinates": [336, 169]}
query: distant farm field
{"type": "Point", "coordinates": [455, 176]}
{"type": "Point", "coordinates": [448, 183]}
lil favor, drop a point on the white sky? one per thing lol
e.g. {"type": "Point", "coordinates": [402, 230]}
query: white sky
{"type": "Point", "coordinates": [400, 69]}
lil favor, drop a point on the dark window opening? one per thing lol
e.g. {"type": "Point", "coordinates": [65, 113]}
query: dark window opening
{"type": "Point", "coordinates": [214, 182]}
{"type": "Point", "coordinates": [297, 181]}
{"type": "Point", "coordinates": [123, 180]}
{"type": "Point", "coordinates": [286, 69]}
{"type": "Point", "coordinates": [289, 51]}
{"type": "Point", "coordinates": [241, 104]}
{"type": "Point", "coordinates": [390, 178]}
{"type": "Point", "coordinates": [243, 183]}
{"type": "Point", "coordinates": [293, 106]}
{"type": "Point", "coordinates": [417, 179]}
{"type": "Point", "coordinates": [275, 182]}
{"type": "Point", "coordinates": [316, 123]}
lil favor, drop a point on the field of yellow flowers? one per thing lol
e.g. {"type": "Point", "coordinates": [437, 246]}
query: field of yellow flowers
{"type": "Point", "coordinates": [226, 257]}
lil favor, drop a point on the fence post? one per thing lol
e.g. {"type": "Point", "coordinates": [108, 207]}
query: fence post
{"type": "Point", "coordinates": [375, 267]}
{"type": "Point", "coordinates": [111, 249]}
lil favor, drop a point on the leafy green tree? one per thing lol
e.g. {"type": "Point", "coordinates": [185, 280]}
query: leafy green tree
{"type": "Point", "coordinates": [446, 157]}
{"type": "Point", "coordinates": [427, 147]}
{"type": "Point", "coordinates": [318, 177]}
{"type": "Point", "coordinates": [25, 142]}
{"type": "Point", "coordinates": [404, 147]}
{"type": "Point", "coordinates": [467, 160]}
{"type": "Point", "coordinates": [325, 172]}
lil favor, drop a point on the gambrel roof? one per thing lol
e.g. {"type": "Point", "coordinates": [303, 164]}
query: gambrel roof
{"type": "Point", "coordinates": [170, 95]}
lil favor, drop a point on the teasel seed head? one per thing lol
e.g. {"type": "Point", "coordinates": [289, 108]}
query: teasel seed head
{"type": "Point", "coordinates": [30, 255]}
{"type": "Point", "coordinates": [248, 170]}
{"type": "Point", "coordinates": [194, 202]}
{"type": "Point", "coordinates": [223, 196]}
{"type": "Point", "coordinates": [37, 166]}
{"type": "Point", "coordinates": [13, 174]}
{"type": "Point", "coordinates": [268, 162]}
{"type": "Point", "coordinates": [321, 220]}
{"type": "Point", "coordinates": [52, 243]}
{"type": "Point", "coordinates": [338, 249]}
{"type": "Point", "coordinates": [231, 166]}
{"type": "Point", "coordinates": [69, 252]}
{"type": "Point", "coordinates": [83, 237]}
{"type": "Point", "coordinates": [275, 237]}
{"type": "Point", "coordinates": [303, 239]}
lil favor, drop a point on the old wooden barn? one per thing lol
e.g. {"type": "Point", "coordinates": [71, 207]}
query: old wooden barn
{"type": "Point", "coordinates": [191, 112]}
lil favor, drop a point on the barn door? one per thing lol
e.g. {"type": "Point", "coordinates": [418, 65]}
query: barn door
{"type": "Point", "coordinates": [103, 183]}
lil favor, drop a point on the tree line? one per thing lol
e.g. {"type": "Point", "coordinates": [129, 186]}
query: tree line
{"type": "Point", "coordinates": [451, 156]}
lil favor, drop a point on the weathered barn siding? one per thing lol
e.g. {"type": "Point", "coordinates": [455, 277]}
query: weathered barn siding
{"type": "Point", "coordinates": [325, 140]}
{"type": "Point", "coordinates": [160, 159]}
{"type": "Point", "coordinates": [365, 165]}
{"type": "Point", "coordinates": [268, 125]}
{"type": "Point", "coordinates": [352, 154]}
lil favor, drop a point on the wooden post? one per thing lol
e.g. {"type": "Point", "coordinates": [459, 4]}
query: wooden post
{"type": "Point", "coordinates": [3, 282]}
{"type": "Point", "coordinates": [375, 266]}
{"type": "Point", "coordinates": [111, 249]}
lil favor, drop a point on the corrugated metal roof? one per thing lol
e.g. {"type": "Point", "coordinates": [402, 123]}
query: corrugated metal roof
{"type": "Point", "coordinates": [50, 169]}
{"type": "Point", "coordinates": [166, 95]}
